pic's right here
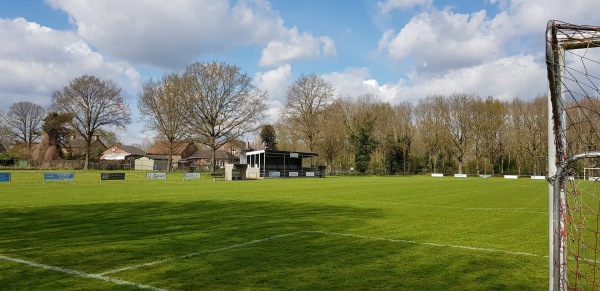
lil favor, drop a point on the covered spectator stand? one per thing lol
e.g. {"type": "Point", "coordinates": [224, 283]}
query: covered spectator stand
{"type": "Point", "coordinates": [275, 164]}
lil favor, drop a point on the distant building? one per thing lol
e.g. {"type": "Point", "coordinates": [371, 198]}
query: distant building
{"type": "Point", "coordinates": [151, 163]}
{"type": "Point", "coordinates": [201, 159]}
{"type": "Point", "coordinates": [75, 147]}
{"type": "Point", "coordinates": [160, 150]}
{"type": "Point", "coordinates": [276, 163]}
{"type": "Point", "coordinates": [229, 153]}
{"type": "Point", "coordinates": [119, 152]}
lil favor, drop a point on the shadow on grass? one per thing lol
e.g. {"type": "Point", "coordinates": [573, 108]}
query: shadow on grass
{"type": "Point", "coordinates": [101, 237]}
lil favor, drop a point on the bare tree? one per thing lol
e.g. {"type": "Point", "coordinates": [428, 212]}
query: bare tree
{"type": "Point", "coordinates": [107, 137]}
{"type": "Point", "coordinates": [286, 140]}
{"type": "Point", "coordinates": [94, 104]}
{"type": "Point", "coordinates": [6, 136]}
{"type": "Point", "coordinates": [429, 116]}
{"type": "Point", "coordinates": [24, 119]}
{"type": "Point", "coordinates": [398, 137]}
{"type": "Point", "coordinates": [529, 139]}
{"type": "Point", "coordinates": [460, 124]}
{"type": "Point", "coordinates": [334, 140]}
{"type": "Point", "coordinates": [161, 105]}
{"type": "Point", "coordinates": [307, 99]}
{"type": "Point", "coordinates": [221, 103]}
{"type": "Point", "coordinates": [490, 117]}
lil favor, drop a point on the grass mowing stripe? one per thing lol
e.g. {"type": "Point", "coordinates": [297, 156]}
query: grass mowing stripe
{"type": "Point", "coordinates": [199, 253]}
{"type": "Point", "coordinates": [256, 241]}
{"type": "Point", "coordinates": [524, 210]}
{"type": "Point", "coordinates": [382, 233]}
{"type": "Point", "coordinates": [80, 274]}
{"type": "Point", "coordinates": [427, 243]}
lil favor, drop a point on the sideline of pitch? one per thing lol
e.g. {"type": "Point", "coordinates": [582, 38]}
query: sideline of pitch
{"type": "Point", "coordinates": [80, 274]}
{"type": "Point", "coordinates": [102, 276]}
{"type": "Point", "coordinates": [256, 241]}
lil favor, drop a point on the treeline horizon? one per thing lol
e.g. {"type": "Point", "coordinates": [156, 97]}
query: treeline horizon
{"type": "Point", "coordinates": [454, 133]}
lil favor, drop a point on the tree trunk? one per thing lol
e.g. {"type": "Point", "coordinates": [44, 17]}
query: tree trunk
{"type": "Point", "coordinates": [87, 156]}
{"type": "Point", "coordinates": [170, 158]}
{"type": "Point", "coordinates": [213, 159]}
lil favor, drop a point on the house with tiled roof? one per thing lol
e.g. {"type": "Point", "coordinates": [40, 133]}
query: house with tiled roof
{"type": "Point", "coordinates": [159, 153]}
{"type": "Point", "coordinates": [228, 153]}
{"type": "Point", "coordinates": [201, 159]}
{"type": "Point", "coordinates": [75, 147]}
{"type": "Point", "coordinates": [119, 152]}
{"type": "Point", "coordinates": [181, 150]}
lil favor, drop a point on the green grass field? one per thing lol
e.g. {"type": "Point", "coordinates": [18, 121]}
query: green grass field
{"type": "Point", "coordinates": [341, 233]}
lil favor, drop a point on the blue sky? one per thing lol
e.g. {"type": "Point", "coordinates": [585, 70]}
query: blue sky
{"type": "Point", "coordinates": [399, 50]}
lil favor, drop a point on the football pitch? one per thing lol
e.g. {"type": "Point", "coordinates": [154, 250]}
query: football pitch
{"type": "Point", "coordinates": [336, 233]}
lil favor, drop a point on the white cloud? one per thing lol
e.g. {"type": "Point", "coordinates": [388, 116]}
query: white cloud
{"type": "Point", "coordinates": [529, 17]}
{"type": "Point", "coordinates": [172, 34]}
{"type": "Point", "coordinates": [505, 79]}
{"type": "Point", "coordinates": [296, 46]}
{"type": "Point", "coordinates": [37, 60]}
{"type": "Point", "coordinates": [276, 82]}
{"type": "Point", "coordinates": [442, 40]}
{"type": "Point", "coordinates": [492, 55]}
{"type": "Point", "coordinates": [350, 81]}
{"type": "Point", "coordinates": [389, 5]}
{"type": "Point", "coordinates": [358, 81]}
{"type": "Point", "coordinates": [329, 49]}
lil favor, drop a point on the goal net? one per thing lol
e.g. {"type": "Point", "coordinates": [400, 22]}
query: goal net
{"type": "Point", "coordinates": [573, 62]}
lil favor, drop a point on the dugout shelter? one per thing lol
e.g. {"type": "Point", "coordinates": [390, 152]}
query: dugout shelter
{"type": "Point", "coordinates": [280, 164]}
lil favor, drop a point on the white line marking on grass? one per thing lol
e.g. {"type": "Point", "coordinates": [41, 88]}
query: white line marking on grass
{"type": "Point", "coordinates": [426, 243]}
{"type": "Point", "coordinates": [523, 210]}
{"type": "Point", "coordinates": [199, 253]}
{"type": "Point", "coordinates": [80, 274]}
{"type": "Point", "coordinates": [256, 241]}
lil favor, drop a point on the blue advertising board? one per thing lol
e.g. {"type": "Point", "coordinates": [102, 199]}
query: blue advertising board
{"type": "Point", "coordinates": [5, 177]}
{"type": "Point", "coordinates": [59, 177]}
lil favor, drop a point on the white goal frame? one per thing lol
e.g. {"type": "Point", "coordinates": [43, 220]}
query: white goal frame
{"type": "Point", "coordinates": [560, 38]}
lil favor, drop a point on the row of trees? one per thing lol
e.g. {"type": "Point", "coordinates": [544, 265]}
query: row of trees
{"type": "Point", "coordinates": [208, 103]}
{"type": "Point", "coordinates": [441, 133]}
{"type": "Point", "coordinates": [215, 103]}
{"type": "Point", "coordinates": [86, 107]}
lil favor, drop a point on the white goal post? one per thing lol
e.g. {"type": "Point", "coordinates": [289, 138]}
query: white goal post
{"type": "Point", "coordinates": [573, 63]}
